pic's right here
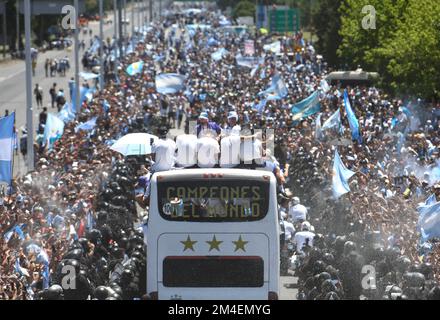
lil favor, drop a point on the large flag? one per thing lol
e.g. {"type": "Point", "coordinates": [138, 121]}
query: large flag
{"type": "Point", "coordinates": [169, 83]}
{"type": "Point", "coordinates": [53, 130]}
{"type": "Point", "coordinates": [274, 47]}
{"type": "Point", "coordinates": [352, 120]}
{"type": "Point", "coordinates": [429, 219]}
{"type": "Point", "coordinates": [135, 68]}
{"type": "Point", "coordinates": [6, 147]}
{"type": "Point", "coordinates": [261, 105]}
{"type": "Point", "coordinates": [334, 122]}
{"type": "Point", "coordinates": [277, 89]}
{"type": "Point", "coordinates": [324, 86]}
{"type": "Point", "coordinates": [307, 107]}
{"type": "Point", "coordinates": [340, 177]}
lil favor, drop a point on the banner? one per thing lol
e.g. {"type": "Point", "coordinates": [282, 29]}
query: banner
{"type": "Point", "coordinates": [249, 47]}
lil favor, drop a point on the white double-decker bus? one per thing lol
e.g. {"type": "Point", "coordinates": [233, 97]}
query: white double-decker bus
{"type": "Point", "coordinates": [213, 234]}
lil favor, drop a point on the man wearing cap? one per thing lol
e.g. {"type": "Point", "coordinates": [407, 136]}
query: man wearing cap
{"type": "Point", "coordinates": [230, 143]}
{"type": "Point", "coordinates": [207, 128]}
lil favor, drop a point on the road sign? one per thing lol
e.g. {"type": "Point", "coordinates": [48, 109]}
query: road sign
{"type": "Point", "coordinates": [51, 6]}
{"type": "Point", "coordinates": [284, 20]}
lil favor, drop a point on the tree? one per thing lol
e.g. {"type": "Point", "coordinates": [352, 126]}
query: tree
{"type": "Point", "coordinates": [327, 23]}
{"type": "Point", "coordinates": [405, 42]}
{"type": "Point", "coordinates": [244, 9]}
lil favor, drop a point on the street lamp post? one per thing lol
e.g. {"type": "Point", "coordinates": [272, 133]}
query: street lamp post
{"type": "Point", "coordinates": [101, 45]}
{"type": "Point", "coordinates": [76, 48]}
{"type": "Point", "coordinates": [29, 110]}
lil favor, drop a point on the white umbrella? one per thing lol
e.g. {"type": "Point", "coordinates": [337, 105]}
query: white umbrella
{"type": "Point", "coordinates": [134, 144]}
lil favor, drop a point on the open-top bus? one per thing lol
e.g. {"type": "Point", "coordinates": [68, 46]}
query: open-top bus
{"type": "Point", "coordinates": [213, 234]}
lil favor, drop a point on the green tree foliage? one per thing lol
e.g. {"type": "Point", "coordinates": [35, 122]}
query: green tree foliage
{"type": "Point", "coordinates": [404, 47]}
{"type": "Point", "coordinates": [244, 9]}
{"type": "Point", "coordinates": [327, 22]}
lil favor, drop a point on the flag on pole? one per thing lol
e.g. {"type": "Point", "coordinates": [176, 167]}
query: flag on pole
{"type": "Point", "coordinates": [6, 147]}
{"type": "Point", "coordinates": [307, 107]}
{"type": "Point", "coordinates": [340, 177]}
{"type": "Point", "coordinates": [352, 120]}
{"type": "Point", "coordinates": [135, 68]}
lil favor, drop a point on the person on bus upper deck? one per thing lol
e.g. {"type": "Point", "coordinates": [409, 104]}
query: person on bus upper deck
{"type": "Point", "coordinates": [206, 127]}
{"type": "Point", "coordinates": [163, 152]}
{"type": "Point", "coordinates": [297, 212]}
{"type": "Point", "coordinates": [232, 128]}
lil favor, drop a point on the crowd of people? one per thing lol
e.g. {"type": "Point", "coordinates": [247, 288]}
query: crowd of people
{"type": "Point", "coordinates": [78, 208]}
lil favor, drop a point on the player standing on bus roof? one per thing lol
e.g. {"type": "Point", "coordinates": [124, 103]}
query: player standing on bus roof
{"type": "Point", "coordinates": [207, 128]}
{"type": "Point", "coordinates": [186, 153]}
{"type": "Point", "coordinates": [232, 128]}
{"type": "Point", "coordinates": [163, 152]}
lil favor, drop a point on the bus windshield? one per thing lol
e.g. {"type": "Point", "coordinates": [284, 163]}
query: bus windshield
{"type": "Point", "coordinates": [201, 200]}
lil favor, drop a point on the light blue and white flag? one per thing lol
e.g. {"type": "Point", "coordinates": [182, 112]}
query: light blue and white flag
{"type": "Point", "coordinates": [87, 126]}
{"type": "Point", "coordinates": [340, 176]}
{"type": "Point", "coordinates": [274, 47]}
{"type": "Point", "coordinates": [66, 114]}
{"type": "Point", "coordinates": [260, 106]}
{"type": "Point", "coordinates": [169, 83]}
{"type": "Point", "coordinates": [277, 89]}
{"type": "Point", "coordinates": [249, 62]}
{"type": "Point", "coordinates": [429, 219]}
{"type": "Point", "coordinates": [334, 122]}
{"type": "Point", "coordinates": [218, 55]}
{"type": "Point", "coordinates": [6, 147]}
{"type": "Point", "coordinates": [307, 107]}
{"type": "Point", "coordinates": [88, 75]}
{"type": "Point", "coordinates": [53, 130]}
{"type": "Point", "coordinates": [82, 97]}
{"type": "Point", "coordinates": [324, 86]}
{"type": "Point", "coordinates": [135, 68]}
{"type": "Point", "coordinates": [352, 120]}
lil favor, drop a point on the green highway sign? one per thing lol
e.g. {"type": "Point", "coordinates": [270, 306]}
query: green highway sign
{"type": "Point", "coordinates": [284, 20]}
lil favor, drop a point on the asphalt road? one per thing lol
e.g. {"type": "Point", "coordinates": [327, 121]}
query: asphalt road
{"type": "Point", "coordinates": [13, 81]}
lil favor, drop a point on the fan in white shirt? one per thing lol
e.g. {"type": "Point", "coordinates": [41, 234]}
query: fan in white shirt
{"type": "Point", "coordinates": [163, 150]}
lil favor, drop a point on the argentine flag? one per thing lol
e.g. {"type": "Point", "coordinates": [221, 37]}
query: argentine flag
{"type": "Point", "coordinates": [169, 83]}
{"type": "Point", "coordinates": [53, 130]}
{"type": "Point", "coordinates": [6, 146]}
{"type": "Point", "coordinates": [340, 177]}
{"type": "Point", "coordinates": [135, 68]}
{"type": "Point", "coordinates": [306, 107]}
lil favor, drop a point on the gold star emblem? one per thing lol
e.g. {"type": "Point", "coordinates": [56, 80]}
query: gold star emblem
{"type": "Point", "coordinates": [239, 244]}
{"type": "Point", "coordinates": [188, 244]}
{"type": "Point", "coordinates": [214, 244]}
